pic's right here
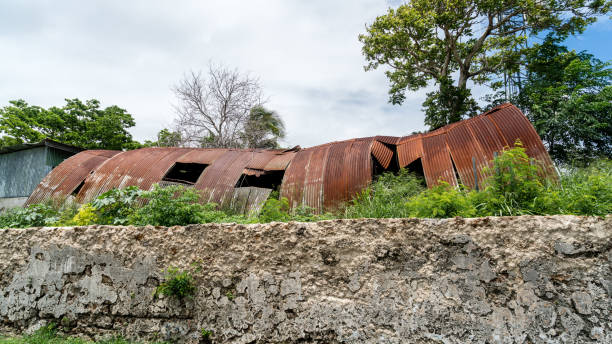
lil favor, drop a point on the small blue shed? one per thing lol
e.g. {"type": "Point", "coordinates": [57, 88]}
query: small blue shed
{"type": "Point", "coordinates": [23, 166]}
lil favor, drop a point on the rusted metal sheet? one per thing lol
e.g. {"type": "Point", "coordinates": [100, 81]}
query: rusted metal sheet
{"type": "Point", "coordinates": [382, 153]}
{"type": "Point", "coordinates": [280, 162]}
{"type": "Point", "coordinates": [313, 180]}
{"type": "Point", "coordinates": [514, 125]}
{"type": "Point", "coordinates": [68, 175]}
{"type": "Point", "coordinates": [157, 168]}
{"type": "Point", "coordinates": [95, 181]}
{"type": "Point", "coordinates": [392, 140]}
{"type": "Point", "coordinates": [121, 172]}
{"type": "Point", "coordinates": [219, 179]}
{"type": "Point", "coordinates": [201, 155]}
{"type": "Point", "coordinates": [347, 174]}
{"type": "Point", "coordinates": [293, 181]}
{"type": "Point", "coordinates": [410, 150]}
{"type": "Point", "coordinates": [336, 174]}
{"type": "Point", "coordinates": [323, 177]}
{"type": "Point", "coordinates": [253, 172]}
{"type": "Point", "coordinates": [261, 159]}
{"type": "Point", "coordinates": [437, 163]}
{"type": "Point", "coordinates": [465, 151]}
{"type": "Point", "coordinates": [147, 169]}
{"type": "Point", "coordinates": [248, 200]}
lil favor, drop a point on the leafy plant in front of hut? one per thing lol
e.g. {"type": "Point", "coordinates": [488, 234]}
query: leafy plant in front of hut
{"type": "Point", "coordinates": [116, 206]}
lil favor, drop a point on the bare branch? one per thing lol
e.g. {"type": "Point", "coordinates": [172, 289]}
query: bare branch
{"type": "Point", "coordinates": [212, 111]}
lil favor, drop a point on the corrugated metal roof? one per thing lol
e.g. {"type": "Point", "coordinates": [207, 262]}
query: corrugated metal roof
{"type": "Point", "coordinates": [45, 142]}
{"type": "Point", "coordinates": [410, 150]}
{"type": "Point", "coordinates": [66, 177]}
{"type": "Point", "coordinates": [319, 177]}
{"type": "Point", "coordinates": [382, 153]}
{"type": "Point", "coordinates": [437, 163]}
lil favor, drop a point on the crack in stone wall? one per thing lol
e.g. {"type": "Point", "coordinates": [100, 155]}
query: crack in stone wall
{"type": "Point", "coordinates": [487, 280]}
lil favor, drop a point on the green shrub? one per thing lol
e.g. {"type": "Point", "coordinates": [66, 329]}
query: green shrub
{"type": "Point", "coordinates": [275, 210]}
{"type": "Point", "coordinates": [85, 216]}
{"type": "Point", "coordinates": [386, 197]}
{"type": "Point", "coordinates": [36, 215]}
{"type": "Point", "coordinates": [441, 201]}
{"type": "Point", "coordinates": [307, 214]}
{"type": "Point", "coordinates": [515, 186]}
{"type": "Point", "coordinates": [587, 191]}
{"type": "Point", "coordinates": [116, 206]}
{"type": "Point", "coordinates": [279, 211]}
{"type": "Point", "coordinates": [177, 283]}
{"type": "Point", "coordinates": [174, 205]}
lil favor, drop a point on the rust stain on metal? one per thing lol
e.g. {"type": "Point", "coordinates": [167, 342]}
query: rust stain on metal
{"type": "Point", "coordinates": [382, 153]}
{"type": "Point", "coordinates": [410, 149]}
{"type": "Point", "coordinates": [321, 177]}
{"type": "Point", "coordinates": [437, 163]}
{"type": "Point", "coordinates": [67, 176]}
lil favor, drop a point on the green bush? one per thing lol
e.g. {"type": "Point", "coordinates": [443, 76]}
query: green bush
{"type": "Point", "coordinates": [274, 210]}
{"type": "Point", "coordinates": [442, 201]}
{"type": "Point", "coordinates": [116, 206]}
{"type": "Point", "coordinates": [177, 283]}
{"type": "Point", "coordinates": [85, 216]}
{"type": "Point", "coordinates": [174, 205]}
{"type": "Point", "coordinates": [386, 197]}
{"type": "Point", "coordinates": [37, 215]}
{"type": "Point", "coordinates": [279, 211]}
{"type": "Point", "coordinates": [516, 186]}
{"type": "Point", "coordinates": [586, 191]}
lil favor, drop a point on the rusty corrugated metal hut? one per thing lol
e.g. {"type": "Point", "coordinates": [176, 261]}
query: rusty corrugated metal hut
{"type": "Point", "coordinates": [320, 177]}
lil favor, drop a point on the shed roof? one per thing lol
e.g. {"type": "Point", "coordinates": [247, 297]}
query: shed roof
{"type": "Point", "coordinates": [45, 142]}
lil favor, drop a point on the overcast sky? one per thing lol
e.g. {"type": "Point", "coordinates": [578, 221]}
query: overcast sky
{"type": "Point", "coordinates": [129, 53]}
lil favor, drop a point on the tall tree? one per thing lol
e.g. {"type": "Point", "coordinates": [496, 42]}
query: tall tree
{"type": "Point", "coordinates": [80, 124]}
{"type": "Point", "coordinates": [567, 95]}
{"type": "Point", "coordinates": [168, 138]}
{"type": "Point", "coordinates": [213, 109]}
{"type": "Point", "coordinates": [263, 129]}
{"type": "Point", "coordinates": [452, 42]}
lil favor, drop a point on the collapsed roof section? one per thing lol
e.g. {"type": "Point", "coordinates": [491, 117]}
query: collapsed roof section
{"type": "Point", "coordinates": [320, 177]}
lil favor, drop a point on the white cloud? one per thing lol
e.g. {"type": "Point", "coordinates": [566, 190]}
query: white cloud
{"type": "Point", "coordinates": [129, 53]}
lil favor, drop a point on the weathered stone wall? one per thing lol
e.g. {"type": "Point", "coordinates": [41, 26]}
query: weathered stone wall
{"type": "Point", "coordinates": [486, 280]}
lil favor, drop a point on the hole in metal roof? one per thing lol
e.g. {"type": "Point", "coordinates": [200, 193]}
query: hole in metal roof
{"type": "Point", "coordinates": [184, 173]}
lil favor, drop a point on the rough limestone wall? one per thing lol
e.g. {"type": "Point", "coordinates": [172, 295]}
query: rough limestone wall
{"type": "Point", "coordinates": [486, 280]}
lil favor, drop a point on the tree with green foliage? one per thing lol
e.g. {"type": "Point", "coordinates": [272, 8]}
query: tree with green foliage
{"type": "Point", "coordinates": [168, 138]}
{"type": "Point", "coordinates": [426, 41]}
{"type": "Point", "coordinates": [568, 97]}
{"type": "Point", "coordinates": [165, 138]}
{"type": "Point", "coordinates": [263, 128]}
{"type": "Point", "coordinates": [81, 124]}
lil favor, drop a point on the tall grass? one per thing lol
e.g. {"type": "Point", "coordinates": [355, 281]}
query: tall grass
{"type": "Point", "coordinates": [586, 191]}
{"type": "Point", "coordinates": [386, 197]}
{"type": "Point", "coordinates": [49, 335]}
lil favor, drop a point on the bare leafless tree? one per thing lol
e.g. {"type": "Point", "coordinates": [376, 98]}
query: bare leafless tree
{"type": "Point", "coordinates": [213, 108]}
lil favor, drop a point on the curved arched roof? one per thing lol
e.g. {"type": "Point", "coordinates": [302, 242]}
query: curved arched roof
{"type": "Point", "coordinates": [320, 177]}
